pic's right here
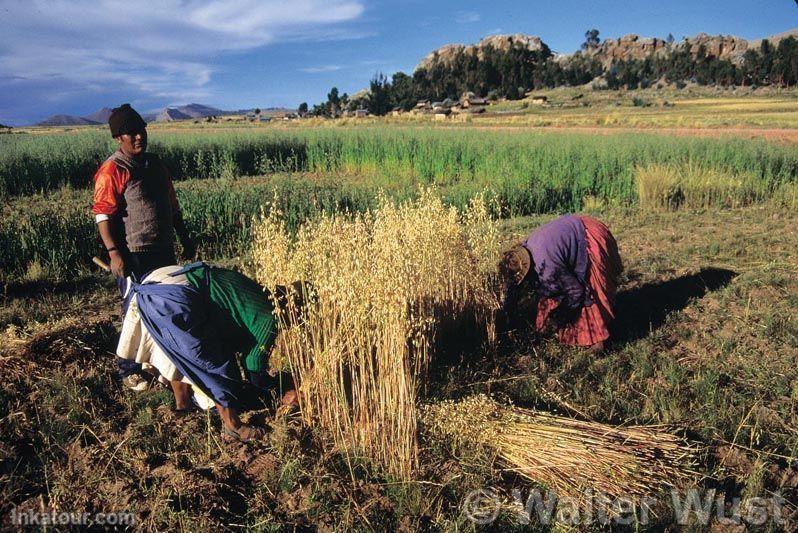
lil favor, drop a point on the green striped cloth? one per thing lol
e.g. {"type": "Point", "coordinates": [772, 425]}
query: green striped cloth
{"type": "Point", "coordinates": [244, 310]}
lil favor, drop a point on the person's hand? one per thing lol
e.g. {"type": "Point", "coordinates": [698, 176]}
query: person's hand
{"type": "Point", "coordinates": [563, 316]}
{"type": "Point", "coordinates": [117, 264]}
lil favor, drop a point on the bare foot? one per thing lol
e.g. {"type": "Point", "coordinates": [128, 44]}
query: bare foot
{"type": "Point", "coordinates": [182, 395]}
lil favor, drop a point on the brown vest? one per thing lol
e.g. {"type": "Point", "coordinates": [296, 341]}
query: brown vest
{"type": "Point", "coordinates": [149, 220]}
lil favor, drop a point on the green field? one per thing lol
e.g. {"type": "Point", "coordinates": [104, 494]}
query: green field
{"type": "Point", "coordinates": [46, 228]}
{"type": "Point", "coordinates": [706, 343]}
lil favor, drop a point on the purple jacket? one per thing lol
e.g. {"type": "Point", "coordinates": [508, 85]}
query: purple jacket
{"type": "Point", "coordinates": [559, 258]}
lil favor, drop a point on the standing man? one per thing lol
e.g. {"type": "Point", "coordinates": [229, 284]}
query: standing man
{"type": "Point", "coordinates": [136, 210]}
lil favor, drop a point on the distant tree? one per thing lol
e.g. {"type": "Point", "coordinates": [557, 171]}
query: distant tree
{"type": "Point", "coordinates": [750, 67]}
{"type": "Point", "coordinates": [303, 109]}
{"type": "Point", "coordinates": [670, 39]}
{"type": "Point", "coordinates": [402, 91]}
{"type": "Point", "coordinates": [591, 39]}
{"type": "Point", "coordinates": [380, 101]}
{"type": "Point", "coordinates": [257, 111]}
{"type": "Point", "coordinates": [319, 110]}
{"type": "Point", "coordinates": [333, 102]}
{"type": "Point", "coordinates": [767, 54]}
{"type": "Point", "coordinates": [785, 62]}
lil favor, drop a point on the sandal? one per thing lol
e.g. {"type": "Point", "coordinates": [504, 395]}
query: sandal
{"type": "Point", "coordinates": [235, 435]}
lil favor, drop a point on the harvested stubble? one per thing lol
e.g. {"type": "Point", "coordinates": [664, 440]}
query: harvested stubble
{"type": "Point", "coordinates": [566, 455]}
{"type": "Point", "coordinates": [382, 282]}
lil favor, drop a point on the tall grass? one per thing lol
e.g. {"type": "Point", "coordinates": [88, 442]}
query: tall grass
{"type": "Point", "coordinates": [532, 171]}
{"type": "Point", "coordinates": [382, 282]}
{"type": "Point", "coordinates": [344, 168]}
{"type": "Point", "coordinates": [670, 186]}
{"type": "Point", "coordinates": [55, 233]}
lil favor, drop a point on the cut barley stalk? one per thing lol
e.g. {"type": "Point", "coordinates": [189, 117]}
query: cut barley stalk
{"type": "Point", "coordinates": [383, 281]}
{"type": "Point", "coordinates": [566, 455]}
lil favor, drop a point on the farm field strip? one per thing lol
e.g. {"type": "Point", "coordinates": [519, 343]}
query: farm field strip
{"type": "Point", "coordinates": [312, 171]}
{"type": "Point", "coordinates": [39, 163]}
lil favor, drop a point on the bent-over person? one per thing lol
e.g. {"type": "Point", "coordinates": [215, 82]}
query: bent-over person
{"type": "Point", "coordinates": [191, 324]}
{"type": "Point", "coordinates": [571, 265]}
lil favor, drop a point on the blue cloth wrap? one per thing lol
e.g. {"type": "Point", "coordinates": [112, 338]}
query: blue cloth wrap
{"type": "Point", "coordinates": [177, 318]}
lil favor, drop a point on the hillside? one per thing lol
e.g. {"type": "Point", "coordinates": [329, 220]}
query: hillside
{"type": "Point", "coordinates": [100, 116]}
{"type": "Point", "coordinates": [199, 111]}
{"type": "Point", "coordinates": [170, 115]}
{"type": "Point", "coordinates": [631, 46]}
{"type": "Point", "coordinates": [66, 120]}
{"type": "Point", "coordinates": [510, 66]}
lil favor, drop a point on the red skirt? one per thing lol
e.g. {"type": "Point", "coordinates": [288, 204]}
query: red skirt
{"type": "Point", "coordinates": [604, 267]}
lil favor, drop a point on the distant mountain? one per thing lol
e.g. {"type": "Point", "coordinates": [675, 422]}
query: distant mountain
{"type": "Point", "coordinates": [171, 115]}
{"type": "Point", "coordinates": [184, 112]}
{"type": "Point", "coordinates": [167, 114]}
{"type": "Point", "coordinates": [100, 116]}
{"type": "Point", "coordinates": [265, 111]}
{"type": "Point", "coordinates": [66, 120]}
{"type": "Point", "coordinates": [199, 111]}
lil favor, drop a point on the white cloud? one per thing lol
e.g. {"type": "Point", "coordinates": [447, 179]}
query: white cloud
{"type": "Point", "coordinates": [467, 17]}
{"type": "Point", "coordinates": [323, 68]}
{"type": "Point", "coordinates": [157, 49]}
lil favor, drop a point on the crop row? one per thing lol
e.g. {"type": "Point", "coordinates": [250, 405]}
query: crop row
{"type": "Point", "coordinates": [563, 167]}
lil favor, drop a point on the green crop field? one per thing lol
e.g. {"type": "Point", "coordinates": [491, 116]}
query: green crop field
{"type": "Point", "coordinates": [571, 164]}
{"type": "Point", "coordinates": [224, 179]}
{"type": "Point", "coordinates": [706, 344]}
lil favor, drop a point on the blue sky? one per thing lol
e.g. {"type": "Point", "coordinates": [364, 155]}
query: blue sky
{"type": "Point", "coordinates": [75, 56]}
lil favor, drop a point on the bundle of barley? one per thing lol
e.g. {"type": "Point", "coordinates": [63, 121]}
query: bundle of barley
{"type": "Point", "coordinates": [382, 283]}
{"type": "Point", "coordinates": [566, 455]}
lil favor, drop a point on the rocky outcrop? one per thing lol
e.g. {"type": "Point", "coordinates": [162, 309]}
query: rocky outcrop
{"type": "Point", "coordinates": [720, 46]}
{"type": "Point", "coordinates": [628, 47]}
{"type": "Point", "coordinates": [446, 54]}
{"type": "Point", "coordinates": [635, 47]}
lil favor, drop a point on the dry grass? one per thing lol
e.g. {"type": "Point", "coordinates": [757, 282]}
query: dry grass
{"type": "Point", "coordinates": [567, 455]}
{"type": "Point", "coordinates": [669, 186]}
{"type": "Point", "coordinates": [720, 364]}
{"type": "Point", "coordinates": [383, 281]}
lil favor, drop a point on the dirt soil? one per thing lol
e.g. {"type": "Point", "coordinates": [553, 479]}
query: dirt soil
{"type": "Point", "coordinates": [707, 342]}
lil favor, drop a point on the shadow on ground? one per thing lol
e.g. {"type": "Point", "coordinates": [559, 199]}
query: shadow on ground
{"type": "Point", "coordinates": [643, 309]}
{"type": "Point", "coordinates": [31, 289]}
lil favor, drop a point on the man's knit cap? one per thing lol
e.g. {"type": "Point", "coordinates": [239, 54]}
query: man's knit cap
{"type": "Point", "coordinates": [125, 119]}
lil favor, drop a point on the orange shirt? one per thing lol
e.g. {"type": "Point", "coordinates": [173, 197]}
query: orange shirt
{"type": "Point", "coordinates": [110, 182]}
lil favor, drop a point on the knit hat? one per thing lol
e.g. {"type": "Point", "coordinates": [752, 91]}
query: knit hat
{"type": "Point", "coordinates": [125, 119]}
